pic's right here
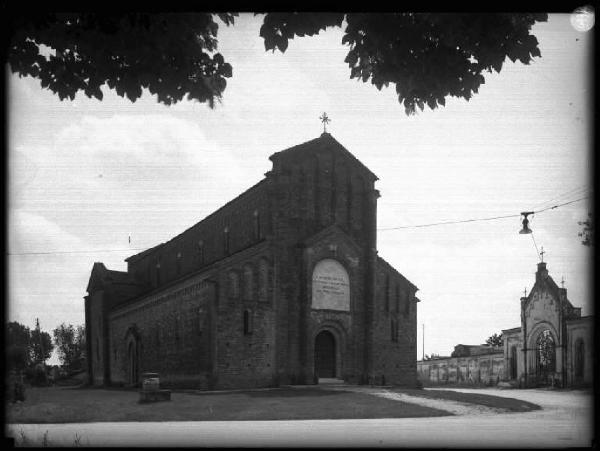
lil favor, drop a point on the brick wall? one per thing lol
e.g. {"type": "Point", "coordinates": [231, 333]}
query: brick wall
{"type": "Point", "coordinates": [192, 332]}
{"type": "Point", "coordinates": [96, 336]}
{"type": "Point", "coordinates": [395, 345]}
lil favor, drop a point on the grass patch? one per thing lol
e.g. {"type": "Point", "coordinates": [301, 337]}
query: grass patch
{"type": "Point", "coordinates": [80, 405]}
{"type": "Point", "coordinates": [510, 404]}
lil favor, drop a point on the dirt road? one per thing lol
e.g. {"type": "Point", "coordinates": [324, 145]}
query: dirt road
{"type": "Point", "coordinates": [564, 421]}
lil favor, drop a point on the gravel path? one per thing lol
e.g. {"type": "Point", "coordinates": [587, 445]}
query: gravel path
{"type": "Point", "coordinates": [454, 407]}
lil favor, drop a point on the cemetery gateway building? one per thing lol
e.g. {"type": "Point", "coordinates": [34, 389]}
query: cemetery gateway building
{"type": "Point", "coordinates": [552, 347]}
{"type": "Point", "coordinates": [281, 285]}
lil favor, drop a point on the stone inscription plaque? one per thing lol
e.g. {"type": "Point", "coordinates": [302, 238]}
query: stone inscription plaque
{"type": "Point", "coordinates": [330, 286]}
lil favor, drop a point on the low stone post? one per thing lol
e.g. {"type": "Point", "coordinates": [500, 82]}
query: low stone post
{"type": "Point", "coordinates": [151, 391]}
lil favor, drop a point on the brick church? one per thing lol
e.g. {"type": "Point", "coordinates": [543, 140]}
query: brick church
{"type": "Point", "coordinates": [281, 285]}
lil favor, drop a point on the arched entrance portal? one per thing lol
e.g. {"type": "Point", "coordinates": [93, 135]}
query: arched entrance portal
{"type": "Point", "coordinates": [545, 357]}
{"type": "Point", "coordinates": [325, 355]}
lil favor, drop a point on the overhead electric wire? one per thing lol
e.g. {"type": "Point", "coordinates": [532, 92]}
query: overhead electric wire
{"type": "Point", "coordinates": [479, 219]}
{"type": "Point", "coordinates": [570, 193]}
{"type": "Point", "coordinates": [77, 252]}
{"type": "Point", "coordinates": [382, 230]}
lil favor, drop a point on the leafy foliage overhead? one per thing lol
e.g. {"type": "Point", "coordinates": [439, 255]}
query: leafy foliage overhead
{"type": "Point", "coordinates": [172, 55]}
{"type": "Point", "coordinates": [428, 57]}
{"type": "Point", "coordinates": [587, 233]}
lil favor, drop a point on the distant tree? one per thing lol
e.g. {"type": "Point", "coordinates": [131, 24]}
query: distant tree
{"type": "Point", "coordinates": [587, 233]}
{"type": "Point", "coordinates": [18, 348]}
{"type": "Point", "coordinates": [70, 344]}
{"type": "Point", "coordinates": [41, 345]}
{"type": "Point", "coordinates": [17, 334]}
{"type": "Point", "coordinates": [495, 340]}
{"type": "Point", "coordinates": [428, 57]}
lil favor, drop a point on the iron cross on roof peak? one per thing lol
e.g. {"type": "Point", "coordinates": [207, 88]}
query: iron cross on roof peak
{"type": "Point", "coordinates": [325, 119]}
{"type": "Point", "coordinates": [542, 252]}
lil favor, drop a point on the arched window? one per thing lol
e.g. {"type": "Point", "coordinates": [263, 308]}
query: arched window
{"type": "Point", "coordinates": [247, 322]}
{"type": "Point", "coordinates": [579, 358]}
{"type": "Point", "coordinates": [256, 218]}
{"type": "Point", "coordinates": [178, 261]}
{"type": "Point", "coordinates": [233, 284]}
{"type": "Point", "coordinates": [263, 280]}
{"type": "Point", "coordinates": [201, 252]}
{"type": "Point", "coordinates": [317, 190]}
{"type": "Point", "coordinates": [349, 195]}
{"type": "Point", "coordinates": [158, 271]}
{"type": "Point", "coordinates": [387, 293]}
{"type": "Point", "coordinates": [226, 240]}
{"type": "Point", "coordinates": [393, 330]}
{"type": "Point", "coordinates": [248, 282]}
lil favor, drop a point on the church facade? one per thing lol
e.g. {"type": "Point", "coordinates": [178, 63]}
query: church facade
{"type": "Point", "coordinates": [281, 285]}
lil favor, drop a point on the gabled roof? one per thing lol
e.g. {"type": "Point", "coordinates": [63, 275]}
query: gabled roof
{"type": "Point", "coordinates": [325, 141]}
{"type": "Point", "coordinates": [551, 284]}
{"type": "Point", "coordinates": [380, 260]}
{"type": "Point", "coordinates": [101, 275]}
{"type": "Point", "coordinates": [152, 249]}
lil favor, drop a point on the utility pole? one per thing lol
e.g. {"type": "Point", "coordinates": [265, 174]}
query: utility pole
{"type": "Point", "coordinates": [423, 343]}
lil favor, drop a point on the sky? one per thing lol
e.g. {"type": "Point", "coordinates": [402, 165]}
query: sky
{"type": "Point", "coordinates": [85, 175]}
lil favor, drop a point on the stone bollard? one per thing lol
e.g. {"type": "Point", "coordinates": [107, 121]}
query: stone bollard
{"type": "Point", "coordinates": [151, 391]}
{"type": "Point", "coordinates": [150, 382]}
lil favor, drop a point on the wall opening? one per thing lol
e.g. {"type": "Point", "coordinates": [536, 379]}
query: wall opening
{"type": "Point", "coordinates": [545, 357]}
{"type": "Point", "coordinates": [513, 362]}
{"type": "Point", "coordinates": [579, 360]}
{"type": "Point", "coordinates": [325, 362]}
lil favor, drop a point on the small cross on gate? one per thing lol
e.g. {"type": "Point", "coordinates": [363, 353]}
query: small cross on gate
{"type": "Point", "coordinates": [525, 291]}
{"type": "Point", "coordinates": [562, 281]}
{"type": "Point", "coordinates": [542, 254]}
{"type": "Point", "coordinates": [325, 121]}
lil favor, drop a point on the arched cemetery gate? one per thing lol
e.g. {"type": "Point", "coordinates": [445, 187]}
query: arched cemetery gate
{"type": "Point", "coordinates": [545, 357]}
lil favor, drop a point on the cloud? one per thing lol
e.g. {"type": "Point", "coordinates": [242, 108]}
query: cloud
{"type": "Point", "coordinates": [99, 181]}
